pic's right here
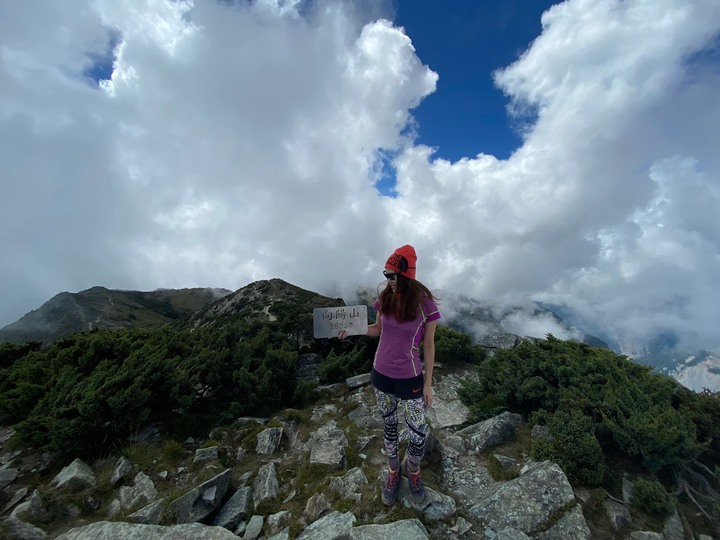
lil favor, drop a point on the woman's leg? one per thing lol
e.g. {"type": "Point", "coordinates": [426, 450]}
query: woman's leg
{"type": "Point", "coordinates": [388, 404]}
{"type": "Point", "coordinates": [414, 410]}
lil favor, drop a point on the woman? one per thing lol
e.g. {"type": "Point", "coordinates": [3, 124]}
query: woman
{"type": "Point", "coordinates": [406, 316]}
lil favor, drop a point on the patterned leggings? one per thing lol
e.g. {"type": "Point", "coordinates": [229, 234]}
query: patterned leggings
{"type": "Point", "coordinates": [414, 410]}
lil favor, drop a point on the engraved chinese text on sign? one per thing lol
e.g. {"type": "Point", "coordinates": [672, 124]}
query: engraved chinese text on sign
{"type": "Point", "coordinates": [328, 322]}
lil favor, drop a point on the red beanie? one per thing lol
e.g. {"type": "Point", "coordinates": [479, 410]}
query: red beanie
{"type": "Point", "coordinates": [403, 260]}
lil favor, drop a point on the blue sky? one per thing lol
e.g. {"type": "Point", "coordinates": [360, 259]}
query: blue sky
{"type": "Point", "coordinates": [465, 41]}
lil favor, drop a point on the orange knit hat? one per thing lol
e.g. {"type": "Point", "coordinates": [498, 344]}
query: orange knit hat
{"type": "Point", "coordinates": [403, 260]}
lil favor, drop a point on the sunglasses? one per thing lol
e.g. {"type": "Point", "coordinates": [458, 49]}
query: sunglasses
{"type": "Point", "coordinates": [392, 276]}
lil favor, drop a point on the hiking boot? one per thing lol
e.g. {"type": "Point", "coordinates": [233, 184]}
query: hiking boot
{"type": "Point", "coordinates": [392, 487]}
{"type": "Point", "coordinates": [417, 489]}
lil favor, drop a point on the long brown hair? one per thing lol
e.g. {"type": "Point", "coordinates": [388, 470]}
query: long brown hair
{"type": "Point", "coordinates": [405, 301]}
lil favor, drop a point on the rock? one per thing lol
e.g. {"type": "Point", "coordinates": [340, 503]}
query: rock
{"type": "Point", "coordinates": [142, 492]}
{"type": "Point", "coordinates": [307, 366]}
{"type": "Point", "coordinates": [235, 510]}
{"type": "Point", "coordinates": [673, 529]}
{"type": "Point", "coordinates": [114, 508]}
{"type": "Point", "coordinates": [282, 535]}
{"type": "Point", "coordinates": [348, 485]}
{"type": "Point", "coordinates": [527, 502]}
{"type": "Point", "coordinates": [253, 528]}
{"type": "Point", "coordinates": [501, 340]}
{"type": "Point", "coordinates": [540, 432]}
{"type": "Point", "coordinates": [365, 417]}
{"type": "Point", "coordinates": [405, 529]}
{"type": "Point", "coordinates": [627, 489]}
{"type": "Point", "coordinates": [268, 440]}
{"type": "Point", "coordinates": [149, 515]}
{"type": "Point", "coordinates": [445, 414]}
{"type": "Point", "coordinates": [31, 510]}
{"type": "Point", "coordinates": [121, 470]}
{"type": "Point", "coordinates": [571, 525]}
{"type": "Point", "coordinates": [328, 446]}
{"type": "Point", "coordinates": [358, 381]}
{"type": "Point", "coordinates": [252, 419]}
{"type": "Point", "coordinates": [316, 507]}
{"type": "Point", "coordinates": [7, 477]}
{"type": "Point", "coordinates": [20, 530]}
{"type": "Point", "coordinates": [334, 526]}
{"type": "Point", "coordinates": [203, 455]}
{"type": "Point", "coordinates": [511, 534]}
{"type": "Point", "coordinates": [506, 462]}
{"type": "Point", "coordinates": [278, 521]}
{"type": "Point", "coordinates": [16, 498]}
{"type": "Point", "coordinates": [149, 435]}
{"type": "Point", "coordinates": [645, 535]}
{"type": "Point", "coordinates": [76, 476]}
{"type": "Point", "coordinates": [266, 485]}
{"type": "Point", "coordinates": [618, 514]}
{"type": "Point", "coordinates": [492, 432]}
{"type": "Point", "coordinates": [106, 530]}
{"type": "Point", "coordinates": [436, 505]}
{"type": "Point", "coordinates": [198, 503]}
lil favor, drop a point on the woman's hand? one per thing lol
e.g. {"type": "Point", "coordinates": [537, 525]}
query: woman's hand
{"type": "Point", "coordinates": [428, 395]}
{"type": "Point", "coordinates": [342, 334]}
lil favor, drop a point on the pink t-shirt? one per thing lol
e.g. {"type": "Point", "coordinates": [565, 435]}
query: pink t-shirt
{"type": "Point", "coordinates": [397, 354]}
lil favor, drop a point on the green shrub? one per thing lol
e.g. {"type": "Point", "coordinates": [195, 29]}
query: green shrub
{"type": "Point", "coordinates": [650, 497]}
{"type": "Point", "coordinates": [453, 346]}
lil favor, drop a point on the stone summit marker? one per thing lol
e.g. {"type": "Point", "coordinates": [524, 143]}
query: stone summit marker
{"type": "Point", "coordinates": [327, 322]}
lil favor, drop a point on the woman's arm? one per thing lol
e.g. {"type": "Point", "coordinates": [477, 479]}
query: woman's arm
{"type": "Point", "coordinates": [376, 328]}
{"type": "Point", "coordinates": [429, 357]}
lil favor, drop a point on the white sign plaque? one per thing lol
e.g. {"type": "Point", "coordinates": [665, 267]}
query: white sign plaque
{"type": "Point", "coordinates": [328, 322]}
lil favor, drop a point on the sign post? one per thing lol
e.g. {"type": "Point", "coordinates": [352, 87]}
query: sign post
{"type": "Point", "coordinates": [328, 322]}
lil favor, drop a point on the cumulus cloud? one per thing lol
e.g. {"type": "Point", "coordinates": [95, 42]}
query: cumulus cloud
{"type": "Point", "coordinates": [243, 140]}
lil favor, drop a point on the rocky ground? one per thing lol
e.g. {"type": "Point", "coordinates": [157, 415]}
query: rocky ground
{"type": "Point", "coordinates": [316, 474]}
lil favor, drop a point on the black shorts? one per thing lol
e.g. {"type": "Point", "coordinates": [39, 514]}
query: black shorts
{"type": "Point", "coordinates": [411, 388]}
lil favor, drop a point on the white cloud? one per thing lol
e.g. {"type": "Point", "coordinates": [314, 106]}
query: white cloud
{"type": "Point", "coordinates": [239, 141]}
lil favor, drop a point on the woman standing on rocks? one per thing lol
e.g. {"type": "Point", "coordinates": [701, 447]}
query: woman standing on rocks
{"type": "Point", "coordinates": [407, 315]}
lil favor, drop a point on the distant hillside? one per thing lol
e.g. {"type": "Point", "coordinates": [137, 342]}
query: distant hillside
{"type": "Point", "coordinates": [267, 300]}
{"type": "Point", "coordinates": [99, 307]}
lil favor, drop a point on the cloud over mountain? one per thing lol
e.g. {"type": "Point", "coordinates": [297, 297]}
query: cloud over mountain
{"type": "Point", "coordinates": [238, 141]}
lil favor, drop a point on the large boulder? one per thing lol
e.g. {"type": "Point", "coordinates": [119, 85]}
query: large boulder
{"type": "Point", "coordinates": [75, 477]}
{"type": "Point", "coordinates": [201, 501]}
{"type": "Point", "coordinates": [105, 530]}
{"type": "Point", "coordinates": [334, 526]}
{"type": "Point", "coordinates": [327, 446]}
{"type": "Point", "coordinates": [405, 529]}
{"type": "Point", "coordinates": [492, 432]}
{"type": "Point", "coordinates": [235, 510]}
{"type": "Point", "coordinates": [266, 486]}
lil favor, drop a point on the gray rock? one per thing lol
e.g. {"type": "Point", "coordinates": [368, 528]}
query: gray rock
{"type": "Point", "coordinates": [673, 529]}
{"type": "Point", "coordinates": [253, 528]}
{"type": "Point", "coordinates": [268, 440]}
{"type": "Point", "coordinates": [31, 510]}
{"type": "Point", "coordinates": [18, 496]}
{"type": "Point", "coordinates": [358, 381]}
{"type": "Point", "coordinates": [506, 462]}
{"type": "Point", "coordinates": [282, 535]}
{"type": "Point", "coordinates": [511, 534]}
{"type": "Point", "coordinates": [20, 530]}
{"type": "Point", "coordinates": [334, 526]}
{"type": "Point", "coordinates": [627, 489]}
{"type": "Point", "coordinates": [149, 515]}
{"type": "Point", "coordinates": [444, 413]}
{"type": "Point", "coordinates": [76, 476]}
{"type": "Point", "coordinates": [278, 521]}
{"type": "Point", "coordinates": [106, 530]}
{"type": "Point", "coordinates": [149, 435]}
{"type": "Point", "coordinates": [328, 446]}
{"type": "Point", "coordinates": [203, 455]}
{"type": "Point", "coordinates": [266, 486]}
{"type": "Point", "coordinates": [348, 485]}
{"type": "Point", "coordinates": [7, 477]}
{"type": "Point", "coordinates": [436, 505]}
{"type": "Point", "coordinates": [121, 470]}
{"type": "Point", "coordinates": [645, 535]}
{"type": "Point", "coordinates": [491, 432]}
{"type": "Point", "coordinates": [405, 529]}
{"type": "Point", "coordinates": [316, 507]}
{"type": "Point", "coordinates": [571, 525]}
{"type": "Point", "coordinates": [235, 510]}
{"type": "Point", "coordinates": [618, 514]}
{"type": "Point", "coordinates": [195, 504]}
{"type": "Point", "coordinates": [366, 417]}
{"type": "Point", "coordinates": [142, 492]}
{"type": "Point", "coordinates": [252, 420]}
{"type": "Point", "coordinates": [527, 502]}
{"type": "Point", "coordinates": [501, 340]}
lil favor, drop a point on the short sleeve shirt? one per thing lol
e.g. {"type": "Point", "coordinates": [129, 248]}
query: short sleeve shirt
{"type": "Point", "coordinates": [398, 351]}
